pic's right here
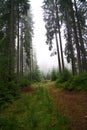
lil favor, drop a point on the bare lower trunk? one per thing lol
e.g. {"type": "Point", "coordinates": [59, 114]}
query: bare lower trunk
{"type": "Point", "coordinates": [18, 43]}
{"type": "Point", "coordinates": [76, 38]}
{"type": "Point", "coordinates": [59, 63]}
{"type": "Point", "coordinates": [70, 44]}
{"type": "Point", "coordinates": [21, 53]}
{"type": "Point", "coordinates": [58, 25]}
{"type": "Point", "coordinates": [83, 52]}
{"type": "Point", "coordinates": [11, 64]}
{"type": "Point", "coordinates": [61, 49]}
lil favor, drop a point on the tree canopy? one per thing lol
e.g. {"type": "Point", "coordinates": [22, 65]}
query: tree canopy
{"type": "Point", "coordinates": [71, 16]}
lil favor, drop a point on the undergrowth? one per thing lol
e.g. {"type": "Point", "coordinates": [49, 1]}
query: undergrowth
{"type": "Point", "coordinates": [11, 91]}
{"type": "Point", "coordinates": [76, 83]}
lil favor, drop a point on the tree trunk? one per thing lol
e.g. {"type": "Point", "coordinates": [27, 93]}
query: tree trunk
{"type": "Point", "coordinates": [72, 51]}
{"type": "Point", "coordinates": [70, 44]}
{"type": "Point", "coordinates": [61, 50]}
{"type": "Point", "coordinates": [59, 63]}
{"type": "Point", "coordinates": [84, 62]}
{"type": "Point", "coordinates": [18, 43]}
{"type": "Point", "coordinates": [11, 66]}
{"type": "Point", "coordinates": [76, 37]}
{"type": "Point", "coordinates": [30, 68]}
{"type": "Point", "coordinates": [21, 52]}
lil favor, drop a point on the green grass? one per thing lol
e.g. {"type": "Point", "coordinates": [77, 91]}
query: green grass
{"type": "Point", "coordinates": [33, 111]}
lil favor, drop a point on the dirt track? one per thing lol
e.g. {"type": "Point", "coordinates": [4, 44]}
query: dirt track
{"type": "Point", "coordinates": [72, 105]}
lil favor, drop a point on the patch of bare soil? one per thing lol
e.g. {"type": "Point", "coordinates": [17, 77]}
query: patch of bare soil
{"type": "Point", "coordinates": [72, 105]}
{"type": "Point", "coordinates": [27, 90]}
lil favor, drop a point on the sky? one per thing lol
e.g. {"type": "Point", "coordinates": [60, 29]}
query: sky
{"type": "Point", "coordinates": [44, 60]}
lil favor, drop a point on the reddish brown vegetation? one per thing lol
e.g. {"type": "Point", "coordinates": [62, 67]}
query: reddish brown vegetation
{"type": "Point", "coordinates": [27, 89]}
{"type": "Point", "coordinates": [72, 105]}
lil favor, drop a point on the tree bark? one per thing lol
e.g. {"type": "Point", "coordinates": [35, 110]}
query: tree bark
{"type": "Point", "coordinates": [59, 63]}
{"type": "Point", "coordinates": [11, 64]}
{"type": "Point", "coordinates": [76, 37]}
{"type": "Point", "coordinates": [84, 62]}
{"type": "Point", "coordinates": [70, 44]}
{"type": "Point", "coordinates": [72, 52]}
{"type": "Point", "coordinates": [18, 42]}
{"type": "Point", "coordinates": [21, 52]}
{"type": "Point", "coordinates": [61, 50]}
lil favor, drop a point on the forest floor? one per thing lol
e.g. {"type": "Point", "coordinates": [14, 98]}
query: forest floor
{"type": "Point", "coordinates": [45, 107]}
{"type": "Point", "coordinates": [71, 104]}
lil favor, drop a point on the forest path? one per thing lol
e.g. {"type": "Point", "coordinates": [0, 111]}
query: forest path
{"type": "Point", "coordinates": [44, 107]}
{"type": "Point", "coordinates": [33, 111]}
{"type": "Point", "coordinates": [71, 104]}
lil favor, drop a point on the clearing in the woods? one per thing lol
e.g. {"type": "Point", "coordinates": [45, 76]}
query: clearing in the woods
{"type": "Point", "coordinates": [44, 107]}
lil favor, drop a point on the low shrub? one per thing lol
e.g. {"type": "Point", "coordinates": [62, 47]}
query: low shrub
{"type": "Point", "coordinates": [67, 81]}
{"type": "Point", "coordinates": [63, 77]}
{"type": "Point", "coordinates": [8, 122]}
{"type": "Point", "coordinates": [8, 93]}
{"type": "Point", "coordinates": [3, 94]}
{"type": "Point", "coordinates": [77, 83]}
{"type": "Point", "coordinates": [24, 83]}
{"type": "Point", "coordinates": [13, 88]}
{"type": "Point", "coordinates": [54, 75]}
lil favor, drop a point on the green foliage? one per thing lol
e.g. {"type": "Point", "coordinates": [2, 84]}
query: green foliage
{"type": "Point", "coordinates": [77, 83]}
{"type": "Point", "coordinates": [64, 76]}
{"type": "Point", "coordinates": [8, 93]}
{"type": "Point", "coordinates": [3, 94]}
{"type": "Point", "coordinates": [48, 76]}
{"type": "Point", "coordinates": [71, 83]}
{"type": "Point", "coordinates": [8, 122]}
{"type": "Point", "coordinates": [24, 82]}
{"type": "Point", "coordinates": [13, 88]}
{"type": "Point", "coordinates": [9, 81]}
{"type": "Point", "coordinates": [33, 112]}
{"type": "Point", "coordinates": [54, 74]}
{"type": "Point", "coordinates": [36, 75]}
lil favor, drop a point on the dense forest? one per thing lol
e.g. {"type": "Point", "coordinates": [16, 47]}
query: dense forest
{"type": "Point", "coordinates": [68, 19]}
{"type": "Point", "coordinates": [66, 25]}
{"type": "Point", "coordinates": [71, 17]}
{"type": "Point", "coordinates": [18, 62]}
